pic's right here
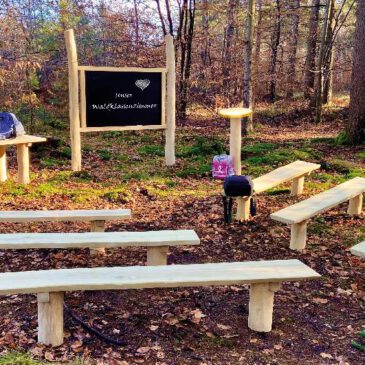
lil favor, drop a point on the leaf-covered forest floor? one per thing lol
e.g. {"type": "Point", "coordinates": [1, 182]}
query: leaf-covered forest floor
{"type": "Point", "coordinates": [314, 321]}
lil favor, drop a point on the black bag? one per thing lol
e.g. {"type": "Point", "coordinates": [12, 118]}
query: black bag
{"type": "Point", "coordinates": [237, 186]}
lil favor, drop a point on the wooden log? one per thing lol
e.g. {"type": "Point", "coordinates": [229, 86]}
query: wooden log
{"type": "Point", "coordinates": [243, 209]}
{"type": "Point", "coordinates": [170, 102]}
{"type": "Point", "coordinates": [355, 205]}
{"type": "Point", "coordinates": [298, 237]}
{"type": "Point", "coordinates": [261, 306]}
{"type": "Point", "coordinates": [97, 226]}
{"type": "Point", "coordinates": [50, 318]}
{"type": "Point", "coordinates": [3, 164]}
{"type": "Point", "coordinates": [157, 255]}
{"type": "Point", "coordinates": [23, 163]}
{"type": "Point", "coordinates": [73, 86]}
{"type": "Point", "coordinates": [297, 186]}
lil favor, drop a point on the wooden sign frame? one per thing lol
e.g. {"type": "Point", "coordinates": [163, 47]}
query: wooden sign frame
{"type": "Point", "coordinates": [77, 100]}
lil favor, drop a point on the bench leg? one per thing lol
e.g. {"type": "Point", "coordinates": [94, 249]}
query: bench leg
{"type": "Point", "coordinates": [3, 166]}
{"type": "Point", "coordinates": [23, 163]}
{"type": "Point", "coordinates": [261, 306]}
{"type": "Point", "coordinates": [297, 186]}
{"type": "Point", "coordinates": [298, 237]}
{"type": "Point", "coordinates": [97, 226]}
{"type": "Point", "coordinates": [355, 205]}
{"type": "Point", "coordinates": [50, 318]}
{"type": "Point", "coordinates": [243, 209]}
{"type": "Point", "coordinates": [157, 255]}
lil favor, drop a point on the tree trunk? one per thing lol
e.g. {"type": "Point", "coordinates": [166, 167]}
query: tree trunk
{"type": "Point", "coordinates": [310, 61]}
{"type": "Point", "coordinates": [356, 125]}
{"type": "Point", "coordinates": [258, 35]}
{"type": "Point", "coordinates": [204, 53]}
{"type": "Point", "coordinates": [293, 49]}
{"type": "Point", "coordinates": [328, 61]}
{"type": "Point", "coordinates": [247, 61]}
{"type": "Point", "coordinates": [319, 91]}
{"type": "Point", "coordinates": [227, 52]}
{"type": "Point", "coordinates": [274, 52]}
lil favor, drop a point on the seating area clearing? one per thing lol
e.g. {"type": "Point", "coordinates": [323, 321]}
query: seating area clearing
{"type": "Point", "coordinates": [359, 249]}
{"type": "Point", "coordinates": [157, 242]}
{"type": "Point", "coordinates": [298, 214]}
{"type": "Point", "coordinates": [264, 277]}
{"type": "Point", "coordinates": [22, 144]}
{"type": "Point", "coordinates": [295, 172]}
{"type": "Point", "coordinates": [96, 217]}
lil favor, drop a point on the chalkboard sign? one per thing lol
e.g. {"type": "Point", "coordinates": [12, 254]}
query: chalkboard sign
{"type": "Point", "coordinates": [122, 98]}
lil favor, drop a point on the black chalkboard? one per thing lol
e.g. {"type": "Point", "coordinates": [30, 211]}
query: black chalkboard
{"type": "Point", "coordinates": [123, 98]}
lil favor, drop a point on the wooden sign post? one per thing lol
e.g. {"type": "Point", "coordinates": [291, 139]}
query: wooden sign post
{"type": "Point", "coordinates": [120, 99]}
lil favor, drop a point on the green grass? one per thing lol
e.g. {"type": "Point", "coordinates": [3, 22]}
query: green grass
{"type": "Point", "coordinates": [19, 358]}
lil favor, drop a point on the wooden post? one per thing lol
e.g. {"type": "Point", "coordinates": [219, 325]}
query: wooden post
{"type": "Point", "coordinates": [261, 306]}
{"type": "Point", "coordinates": [355, 205]}
{"type": "Point", "coordinates": [298, 237]}
{"type": "Point", "coordinates": [297, 186]}
{"type": "Point", "coordinates": [3, 165]}
{"type": "Point", "coordinates": [73, 86]}
{"type": "Point", "coordinates": [23, 163]}
{"type": "Point", "coordinates": [50, 318]}
{"type": "Point", "coordinates": [170, 102]}
{"type": "Point", "coordinates": [243, 208]}
{"type": "Point", "coordinates": [97, 226]}
{"type": "Point", "coordinates": [235, 142]}
{"type": "Point", "coordinates": [157, 255]}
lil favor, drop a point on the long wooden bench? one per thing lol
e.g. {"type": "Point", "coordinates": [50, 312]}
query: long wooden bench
{"type": "Point", "coordinates": [359, 249]}
{"type": "Point", "coordinates": [157, 242]}
{"type": "Point", "coordinates": [264, 277]}
{"type": "Point", "coordinates": [294, 172]}
{"type": "Point", "coordinates": [22, 144]}
{"type": "Point", "coordinates": [96, 217]}
{"type": "Point", "coordinates": [298, 214]}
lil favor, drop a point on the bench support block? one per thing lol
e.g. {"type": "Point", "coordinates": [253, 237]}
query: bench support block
{"type": "Point", "coordinates": [243, 209]}
{"type": "Point", "coordinates": [50, 318]}
{"type": "Point", "coordinates": [261, 306]}
{"type": "Point", "coordinates": [23, 163]}
{"type": "Point", "coordinates": [298, 237]}
{"type": "Point", "coordinates": [97, 226]}
{"type": "Point", "coordinates": [157, 255]}
{"type": "Point", "coordinates": [297, 186]}
{"type": "Point", "coordinates": [3, 166]}
{"type": "Point", "coordinates": [355, 205]}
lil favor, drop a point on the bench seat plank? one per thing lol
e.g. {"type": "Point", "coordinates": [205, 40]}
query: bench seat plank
{"type": "Point", "coordinates": [22, 140]}
{"type": "Point", "coordinates": [138, 277]}
{"type": "Point", "coordinates": [64, 215]}
{"type": "Point", "coordinates": [319, 203]}
{"type": "Point", "coordinates": [283, 174]}
{"type": "Point", "coordinates": [18, 241]}
{"type": "Point", "coordinates": [359, 249]}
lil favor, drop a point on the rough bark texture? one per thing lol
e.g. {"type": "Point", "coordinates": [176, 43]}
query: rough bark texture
{"type": "Point", "coordinates": [293, 48]}
{"type": "Point", "coordinates": [274, 52]}
{"type": "Point", "coordinates": [310, 62]}
{"type": "Point", "coordinates": [356, 125]}
{"type": "Point", "coordinates": [247, 77]}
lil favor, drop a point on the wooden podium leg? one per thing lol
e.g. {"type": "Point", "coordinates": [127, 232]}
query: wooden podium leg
{"type": "Point", "coordinates": [3, 165]}
{"type": "Point", "coordinates": [23, 163]}
{"type": "Point", "coordinates": [97, 226]}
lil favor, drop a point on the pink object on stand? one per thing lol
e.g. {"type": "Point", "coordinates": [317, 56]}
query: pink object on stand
{"type": "Point", "coordinates": [222, 167]}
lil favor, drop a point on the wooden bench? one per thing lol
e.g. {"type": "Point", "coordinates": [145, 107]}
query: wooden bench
{"type": "Point", "coordinates": [294, 172]}
{"type": "Point", "coordinates": [96, 217]}
{"type": "Point", "coordinates": [264, 277]}
{"type": "Point", "coordinates": [22, 144]}
{"type": "Point", "coordinates": [298, 214]}
{"type": "Point", "coordinates": [359, 249]}
{"type": "Point", "coordinates": [157, 242]}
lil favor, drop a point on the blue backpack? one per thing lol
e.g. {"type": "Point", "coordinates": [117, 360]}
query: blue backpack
{"type": "Point", "coordinates": [10, 127]}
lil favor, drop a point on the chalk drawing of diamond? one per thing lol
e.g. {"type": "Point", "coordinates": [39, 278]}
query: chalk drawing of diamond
{"type": "Point", "coordinates": [142, 84]}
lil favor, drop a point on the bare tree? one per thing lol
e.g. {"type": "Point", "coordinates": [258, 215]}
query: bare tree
{"type": "Point", "coordinates": [247, 60]}
{"type": "Point", "coordinates": [356, 125]}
